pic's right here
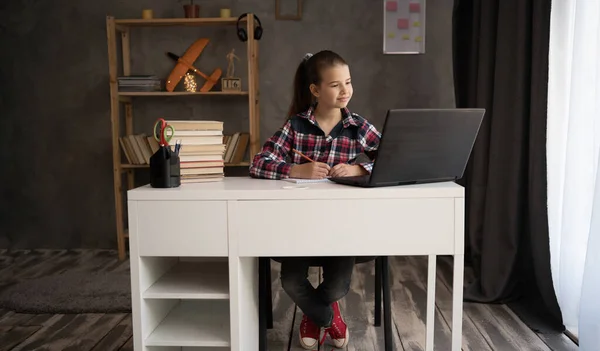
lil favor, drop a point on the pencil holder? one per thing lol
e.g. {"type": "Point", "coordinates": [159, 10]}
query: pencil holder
{"type": "Point", "coordinates": [165, 169]}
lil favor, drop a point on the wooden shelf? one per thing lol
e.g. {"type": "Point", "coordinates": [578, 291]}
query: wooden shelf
{"type": "Point", "coordinates": [241, 164]}
{"type": "Point", "coordinates": [161, 22]}
{"type": "Point", "coordinates": [192, 280]}
{"type": "Point", "coordinates": [180, 93]}
{"type": "Point", "coordinates": [128, 166]}
{"type": "Point", "coordinates": [119, 37]}
{"type": "Point", "coordinates": [199, 323]}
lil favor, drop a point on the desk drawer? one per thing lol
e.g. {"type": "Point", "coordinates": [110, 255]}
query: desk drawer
{"type": "Point", "coordinates": [182, 228]}
{"type": "Point", "coordinates": [346, 227]}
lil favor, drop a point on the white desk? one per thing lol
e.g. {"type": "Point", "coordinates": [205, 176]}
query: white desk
{"type": "Point", "coordinates": [194, 249]}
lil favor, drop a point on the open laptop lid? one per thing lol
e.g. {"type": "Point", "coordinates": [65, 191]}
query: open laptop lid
{"type": "Point", "coordinates": [422, 145]}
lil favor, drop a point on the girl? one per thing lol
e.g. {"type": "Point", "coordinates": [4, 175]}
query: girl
{"type": "Point", "coordinates": [321, 127]}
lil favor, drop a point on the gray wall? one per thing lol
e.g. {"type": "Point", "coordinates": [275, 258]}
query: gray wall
{"type": "Point", "coordinates": [54, 102]}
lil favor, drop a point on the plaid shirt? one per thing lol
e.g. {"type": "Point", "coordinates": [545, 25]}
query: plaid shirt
{"type": "Point", "coordinates": [353, 136]}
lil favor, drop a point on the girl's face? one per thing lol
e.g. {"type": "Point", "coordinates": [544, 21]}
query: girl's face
{"type": "Point", "coordinates": [335, 89]}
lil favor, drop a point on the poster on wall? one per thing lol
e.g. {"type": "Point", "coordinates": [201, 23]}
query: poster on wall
{"type": "Point", "coordinates": [403, 26]}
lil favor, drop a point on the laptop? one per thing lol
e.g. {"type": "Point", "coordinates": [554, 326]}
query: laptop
{"type": "Point", "coordinates": [421, 146]}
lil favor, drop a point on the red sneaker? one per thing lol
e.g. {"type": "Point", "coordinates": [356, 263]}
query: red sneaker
{"type": "Point", "coordinates": [309, 333]}
{"type": "Point", "coordinates": [338, 331]}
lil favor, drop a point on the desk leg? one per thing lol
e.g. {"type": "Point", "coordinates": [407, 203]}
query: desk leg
{"type": "Point", "coordinates": [263, 285]}
{"type": "Point", "coordinates": [457, 301]}
{"type": "Point", "coordinates": [378, 291]}
{"type": "Point", "coordinates": [243, 290]}
{"type": "Point", "coordinates": [430, 321]}
{"type": "Point", "coordinates": [244, 304]}
{"type": "Point", "coordinates": [387, 304]}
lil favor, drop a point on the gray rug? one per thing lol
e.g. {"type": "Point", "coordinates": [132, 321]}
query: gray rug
{"type": "Point", "coordinates": [70, 292]}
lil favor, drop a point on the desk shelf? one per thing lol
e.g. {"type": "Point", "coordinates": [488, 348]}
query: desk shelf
{"type": "Point", "coordinates": [192, 280]}
{"type": "Point", "coordinates": [194, 323]}
{"type": "Point", "coordinates": [186, 301]}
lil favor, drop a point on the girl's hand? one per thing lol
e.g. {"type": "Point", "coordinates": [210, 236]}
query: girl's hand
{"type": "Point", "coordinates": [346, 170]}
{"type": "Point", "coordinates": [310, 170]}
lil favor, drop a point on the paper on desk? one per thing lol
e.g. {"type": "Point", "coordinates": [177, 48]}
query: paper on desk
{"type": "Point", "coordinates": [301, 181]}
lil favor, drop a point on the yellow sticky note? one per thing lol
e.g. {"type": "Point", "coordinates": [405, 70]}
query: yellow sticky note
{"type": "Point", "coordinates": [418, 39]}
{"type": "Point", "coordinates": [416, 24]}
{"type": "Point", "coordinates": [391, 35]}
{"type": "Point", "coordinates": [406, 37]}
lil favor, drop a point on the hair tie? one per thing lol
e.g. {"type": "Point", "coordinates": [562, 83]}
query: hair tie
{"type": "Point", "coordinates": [307, 56]}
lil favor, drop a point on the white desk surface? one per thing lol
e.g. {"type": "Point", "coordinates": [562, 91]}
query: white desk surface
{"type": "Point", "coordinates": [246, 188]}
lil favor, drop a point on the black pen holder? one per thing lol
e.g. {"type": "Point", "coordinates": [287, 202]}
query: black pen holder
{"type": "Point", "coordinates": [165, 169]}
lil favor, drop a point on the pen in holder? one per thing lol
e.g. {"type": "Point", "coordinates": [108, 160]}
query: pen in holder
{"type": "Point", "coordinates": [165, 168]}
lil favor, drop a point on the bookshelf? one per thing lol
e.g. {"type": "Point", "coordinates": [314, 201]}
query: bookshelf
{"type": "Point", "coordinates": [119, 30]}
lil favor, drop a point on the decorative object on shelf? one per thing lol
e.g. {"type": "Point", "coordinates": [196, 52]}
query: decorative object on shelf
{"type": "Point", "coordinates": [191, 10]}
{"type": "Point", "coordinates": [185, 63]}
{"type": "Point", "coordinates": [231, 83]}
{"type": "Point", "coordinates": [406, 20]}
{"type": "Point", "coordinates": [230, 64]}
{"type": "Point", "coordinates": [225, 13]}
{"type": "Point", "coordinates": [241, 32]}
{"type": "Point", "coordinates": [282, 6]}
{"type": "Point", "coordinates": [147, 14]}
{"type": "Point", "coordinates": [189, 82]}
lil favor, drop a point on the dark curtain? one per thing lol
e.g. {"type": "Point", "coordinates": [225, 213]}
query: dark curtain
{"type": "Point", "coordinates": [501, 64]}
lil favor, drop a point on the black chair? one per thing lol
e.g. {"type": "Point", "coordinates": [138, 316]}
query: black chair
{"type": "Point", "coordinates": [382, 287]}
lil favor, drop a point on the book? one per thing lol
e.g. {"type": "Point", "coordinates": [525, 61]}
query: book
{"type": "Point", "coordinates": [201, 151]}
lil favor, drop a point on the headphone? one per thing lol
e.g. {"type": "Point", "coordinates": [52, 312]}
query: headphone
{"type": "Point", "coordinates": [241, 32]}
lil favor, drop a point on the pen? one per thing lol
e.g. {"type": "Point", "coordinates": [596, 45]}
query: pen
{"type": "Point", "coordinates": [303, 155]}
{"type": "Point", "coordinates": [177, 147]}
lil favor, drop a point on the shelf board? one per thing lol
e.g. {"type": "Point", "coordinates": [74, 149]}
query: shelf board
{"type": "Point", "coordinates": [127, 165]}
{"type": "Point", "coordinates": [161, 22]}
{"type": "Point", "coordinates": [241, 164]}
{"type": "Point", "coordinates": [181, 93]}
{"type": "Point", "coordinates": [192, 280]}
{"type": "Point", "coordinates": [194, 323]}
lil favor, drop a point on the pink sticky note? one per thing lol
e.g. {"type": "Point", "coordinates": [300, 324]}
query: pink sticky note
{"type": "Point", "coordinates": [414, 7]}
{"type": "Point", "coordinates": [391, 6]}
{"type": "Point", "coordinates": [402, 23]}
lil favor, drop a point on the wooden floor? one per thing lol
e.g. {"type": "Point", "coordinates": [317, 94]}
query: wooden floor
{"type": "Point", "coordinates": [485, 327]}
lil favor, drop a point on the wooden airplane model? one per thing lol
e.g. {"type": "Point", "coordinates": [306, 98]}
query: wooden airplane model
{"type": "Point", "coordinates": [185, 63]}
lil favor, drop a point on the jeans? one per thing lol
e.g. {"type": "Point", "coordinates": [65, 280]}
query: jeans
{"type": "Point", "coordinates": [316, 303]}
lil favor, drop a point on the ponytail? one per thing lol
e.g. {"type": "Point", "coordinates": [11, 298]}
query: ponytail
{"type": "Point", "coordinates": [307, 73]}
{"type": "Point", "coordinates": [302, 97]}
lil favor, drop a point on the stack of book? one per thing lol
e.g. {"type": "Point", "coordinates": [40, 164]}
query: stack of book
{"type": "Point", "coordinates": [138, 148]}
{"type": "Point", "coordinates": [236, 147]}
{"type": "Point", "coordinates": [139, 83]}
{"type": "Point", "coordinates": [201, 151]}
